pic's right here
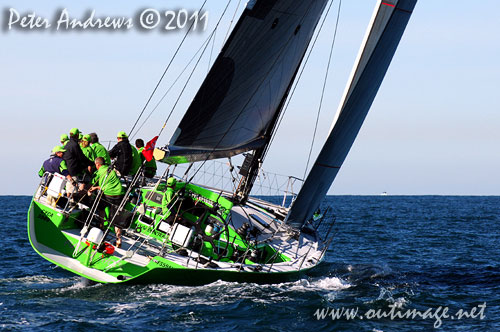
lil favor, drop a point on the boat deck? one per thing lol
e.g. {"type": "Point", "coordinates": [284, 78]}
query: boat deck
{"type": "Point", "coordinates": [139, 249]}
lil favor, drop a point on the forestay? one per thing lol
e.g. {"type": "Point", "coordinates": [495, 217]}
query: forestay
{"type": "Point", "coordinates": [383, 35]}
{"type": "Point", "coordinates": [241, 95]}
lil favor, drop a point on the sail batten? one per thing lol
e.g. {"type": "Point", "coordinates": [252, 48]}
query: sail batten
{"type": "Point", "coordinates": [381, 40]}
{"type": "Point", "coordinates": [237, 102]}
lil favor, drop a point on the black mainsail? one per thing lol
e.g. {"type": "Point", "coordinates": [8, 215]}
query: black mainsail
{"type": "Point", "coordinates": [239, 99]}
{"type": "Point", "coordinates": [384, 33]}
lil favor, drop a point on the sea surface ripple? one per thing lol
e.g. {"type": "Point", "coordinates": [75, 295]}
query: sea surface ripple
{"type": "Point", "coordinates": [406, 252]}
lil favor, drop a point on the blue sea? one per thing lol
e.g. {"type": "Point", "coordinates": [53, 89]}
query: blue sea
{"type": "Point", "coordinates": [436, 255]}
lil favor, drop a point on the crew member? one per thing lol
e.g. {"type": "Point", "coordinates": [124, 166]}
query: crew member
{"type": "Point", "coordinates": [150, 166]}
{"type": "Point", "coordinates": [168, 201]}
{"type": "Point", "coordinates": [99, 149]}
{"type": "Point", "coordinates": [113, 192]}
{"type": "Point", "coordinates": [76, 161]}
{"type": "Point", "coordinates": [55, 163]}
{"type": "Point", "coordinates": [86, 149]}
{"type": "Point", "coordinates": [122, 151]}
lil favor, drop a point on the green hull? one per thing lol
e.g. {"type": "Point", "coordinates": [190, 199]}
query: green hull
{"type": "Point", "coordinates": [55, 235]}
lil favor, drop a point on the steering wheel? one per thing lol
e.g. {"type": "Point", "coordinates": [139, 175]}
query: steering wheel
{"type": "Point", "coordinates": [224, 228]}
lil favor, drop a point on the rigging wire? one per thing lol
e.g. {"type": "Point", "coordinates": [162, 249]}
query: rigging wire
{"type": "Point", "coordinates": [211, 53]}
{"type": "Point", "coordinates": [175, 82]}
{"type": "Point", "coordinates": [231, 23]}
{"type": "Point", "coordinates": [192, 72]}
{"type": "Point", "coordinates": [182, 72]}
{"type": "Point", "coordinates": [165, 71]}
{"type": "Point", "coordinates": [324, 88]}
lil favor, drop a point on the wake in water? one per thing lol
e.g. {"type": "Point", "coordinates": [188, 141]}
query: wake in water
{"type": "Point", "coordinates": [232, 292]}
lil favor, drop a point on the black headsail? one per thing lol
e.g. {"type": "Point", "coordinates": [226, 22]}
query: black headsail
{"type": "Point", "coordinates": [239, 99]}
{"type": "Point", "coordinates": [383, 36]}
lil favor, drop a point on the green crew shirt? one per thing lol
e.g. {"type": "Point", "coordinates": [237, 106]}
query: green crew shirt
{"type": "Point", "coordinates": [167, 198]}
{"type": "Point", "coordinates": [110, 185]}
{"type": "Point", "coordinates": [88, 152]}
{"type": "Point", "coordinates": [136, 161]}
{"type": "Point", "coordinates": [100, 151]}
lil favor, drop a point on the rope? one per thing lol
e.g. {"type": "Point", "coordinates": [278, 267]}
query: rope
{"type": "Point", "coordinates": [231, 23]}
{"type": "Point", "coordinates": [211, 53]}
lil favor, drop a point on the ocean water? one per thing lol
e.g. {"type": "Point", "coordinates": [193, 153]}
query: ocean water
{"type": "Point", "coordinates": [436, 255]}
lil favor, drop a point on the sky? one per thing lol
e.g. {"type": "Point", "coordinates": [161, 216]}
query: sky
{"type": "Point", "coordinates": [433, 128]}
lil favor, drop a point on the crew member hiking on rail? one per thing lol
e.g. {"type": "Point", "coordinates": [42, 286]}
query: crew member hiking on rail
{"type": "Point", "coordinates": [55, 164]}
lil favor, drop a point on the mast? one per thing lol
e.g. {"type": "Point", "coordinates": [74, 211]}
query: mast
{"type": "Point", "coordinates": [388, 23]}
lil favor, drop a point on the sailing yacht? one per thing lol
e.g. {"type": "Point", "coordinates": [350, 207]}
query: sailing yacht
{"type": "Point", "coordinates": [213, 234]}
